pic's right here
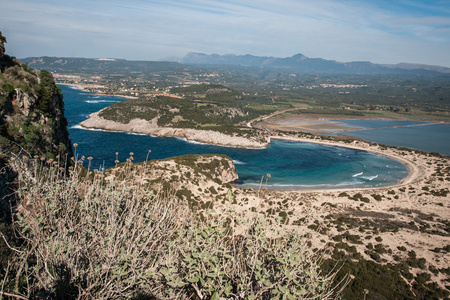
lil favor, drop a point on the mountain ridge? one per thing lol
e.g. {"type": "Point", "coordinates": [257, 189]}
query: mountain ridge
{"type": "Point", "coordinates": [298, 63]}
{"type": "Point", "coordinates": [303, 64]}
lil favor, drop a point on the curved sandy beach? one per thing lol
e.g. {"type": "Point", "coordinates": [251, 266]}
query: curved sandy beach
{"type": "Point", "coordinates": [140, 126]}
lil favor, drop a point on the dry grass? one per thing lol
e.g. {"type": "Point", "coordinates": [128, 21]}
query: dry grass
{"type": "Point", "coordinates": [110, 236]}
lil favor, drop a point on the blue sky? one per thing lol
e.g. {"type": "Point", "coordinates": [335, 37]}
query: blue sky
{"type": "Point", "coordinates": [380, 31]}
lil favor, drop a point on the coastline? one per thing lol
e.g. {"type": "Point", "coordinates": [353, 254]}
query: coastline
{"type": "Point", "coordinates": [139, 126]}
{"type": "Point", "coordinates": [85, 88]}
{"type": "Point", "coordinates": [392, 217]}
{"type": "Point", "coordinates": [364, 146]}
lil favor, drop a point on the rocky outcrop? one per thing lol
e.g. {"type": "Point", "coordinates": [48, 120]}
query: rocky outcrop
{"type": "Point", "coordinates": [199, 181]}
{"type": "Point", "coordinates": [32, 121]}
{"type": "Point", "coordinates": [150, 127]}
{"type": "Point", "coordinates": [32, 114]}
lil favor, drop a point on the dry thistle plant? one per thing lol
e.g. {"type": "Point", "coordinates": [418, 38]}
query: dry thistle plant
{"type": "Point", "coordinates": [93, 236]}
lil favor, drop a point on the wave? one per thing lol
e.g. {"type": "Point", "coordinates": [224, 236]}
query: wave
{"type": "Point", "coordinates": [370, 178]}
{"type": "Point", "coordinates": [346, 184]}
{"type": "Point", "coordinates": [357, 174]}
{"type": "Point", "coordinates": [77, 127]}
{"type": "Point", "coordinates": [217, 145]}
{"type": "Point", "coordinates": [188, 141]}
{"type": "Point", "coordinates": [134, 133]}
{"type": "Point", "coordinates": [93, 129]}
{"type": "Point", "coordinates": [238, 162]}
{"type": "Point", "coordinates": [100, 101]}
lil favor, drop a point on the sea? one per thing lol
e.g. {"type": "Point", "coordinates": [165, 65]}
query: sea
{"type": "Point", "coordinates": [291, 165]}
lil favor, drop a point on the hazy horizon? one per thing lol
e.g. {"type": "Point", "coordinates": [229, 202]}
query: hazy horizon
{"type": "Point", "coordinates": [383, 32]}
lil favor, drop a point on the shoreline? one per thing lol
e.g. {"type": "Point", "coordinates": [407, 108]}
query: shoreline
{"type": "Point", "coordinates": [373, 149]}
{"type": "Point", "coordinates": [138, 126]}
{"type": "Point", "coordinates": [83, 87]}
{"type": "Point", "coordinates": [414, 174]}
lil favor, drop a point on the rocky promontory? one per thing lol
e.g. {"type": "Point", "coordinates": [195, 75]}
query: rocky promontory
{"type": "Point", "coordinates": [140, 126]}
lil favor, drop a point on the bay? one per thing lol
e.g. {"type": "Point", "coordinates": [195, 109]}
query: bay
{"type": "Point", "coordinates": [292, 165]}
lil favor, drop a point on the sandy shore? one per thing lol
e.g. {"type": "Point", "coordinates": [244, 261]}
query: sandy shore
{"type": "Point", "coordinates": [385, 223]}
{"type": "Point", "coordinates": [414, 169]}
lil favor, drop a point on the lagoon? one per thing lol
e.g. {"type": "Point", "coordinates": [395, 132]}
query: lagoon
{"type": "Point", "coordinates": [424, 136]}
{"type": "Point", "coordinates": [292, 165]}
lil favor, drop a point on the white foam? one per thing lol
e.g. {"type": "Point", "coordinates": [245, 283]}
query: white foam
{"type": "Point", "coordinates": [100, 101]}
{"type": "Point", "coordinates": [134, 133]}
{"type": "Point", "coordinates": [238, 162]}
{"type": "Point", "coordinates": [370, 178]}
{"type": "Point", "coordinates": [92, 129]}
{"type": "Point", "coordinates": [357, 174]}
{"type": "Point", "coordinates": [304, 186]}
{"type": "Point", "coordinates": [218, 145]}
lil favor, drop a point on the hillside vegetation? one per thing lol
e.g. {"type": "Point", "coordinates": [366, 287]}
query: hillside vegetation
{"type": "Point", "coordinates": [203, 106]}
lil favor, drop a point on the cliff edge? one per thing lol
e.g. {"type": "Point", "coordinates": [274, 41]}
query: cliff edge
{"type": "Point", "coordinates": [32, 117]}
{"type": "Point", "coordinates": [32, 120]}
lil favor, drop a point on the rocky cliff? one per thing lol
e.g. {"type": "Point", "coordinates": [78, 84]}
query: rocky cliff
{"type": "Point", "coordinates": [32, 120]}
{"type": "Point", "coordinates": [32, 117]}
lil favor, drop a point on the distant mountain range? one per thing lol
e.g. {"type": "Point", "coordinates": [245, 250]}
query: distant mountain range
{"type": "Point", "coordinates": [99, 65]}
{"type": "Point", "coordinates": [299, 63]}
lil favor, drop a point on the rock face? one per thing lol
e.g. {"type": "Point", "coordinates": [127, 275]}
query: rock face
{"type": "Point", "coordinates": [32, 113]}
{"type": "Point", "coordinates": [32, 120]}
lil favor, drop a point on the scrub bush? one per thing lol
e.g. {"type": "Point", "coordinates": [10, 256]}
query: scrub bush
{"type": "Point", "coordinates": [97, 235]}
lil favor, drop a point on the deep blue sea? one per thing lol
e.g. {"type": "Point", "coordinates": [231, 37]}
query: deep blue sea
{"type": "Point", "coordinates": [292, 165]}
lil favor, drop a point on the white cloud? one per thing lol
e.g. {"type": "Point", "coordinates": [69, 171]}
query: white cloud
{"type": "Point", "coordinates": [342, 30]}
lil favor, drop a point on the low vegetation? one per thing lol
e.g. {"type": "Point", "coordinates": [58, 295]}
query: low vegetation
{"type": "Point", "coordinates": [206, 107]}
{"type": "Point", "coordinates": [112, 236]}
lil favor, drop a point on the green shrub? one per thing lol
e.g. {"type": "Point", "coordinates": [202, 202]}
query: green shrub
{"type": "Point", "coordinates": [377, 197]}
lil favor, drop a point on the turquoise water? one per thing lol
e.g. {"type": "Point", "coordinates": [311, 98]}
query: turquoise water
{"type": "Point", "coordinates": [423, 136]}
{"type": "Point", "coordinates": [292, 165]}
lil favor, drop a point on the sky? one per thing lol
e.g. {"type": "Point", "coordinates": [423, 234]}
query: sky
{"type": "Point", "coordinates": [380, 31]}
